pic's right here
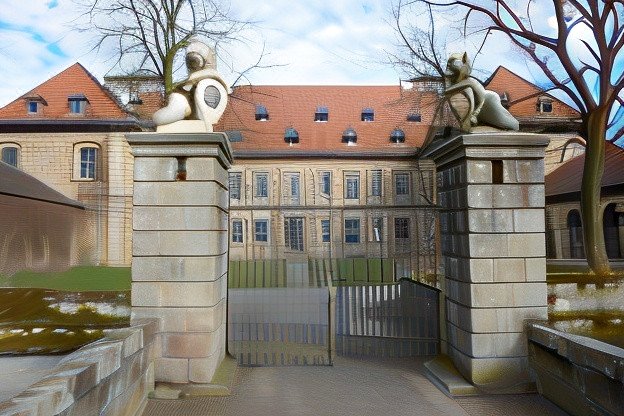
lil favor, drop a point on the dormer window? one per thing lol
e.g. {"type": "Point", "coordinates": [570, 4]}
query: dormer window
{"type": "Point", "coordinates": [397, 136]}
{"type": "Point", "coordinates": [77, 103]}
{"type": "Point", "coordinates": [349, 136]}
{"type": "Point", "coordinates": [34, 104]}
{"type": "Point", "coordinates": [322, 114]}
{"type": "Point", "coordinates": [134, 98]}
{"type": "Point", "coordinates": [544, 105]}
{"type": "Point", "coordinates": [291, 136]}
{"type": "Point", "coordinates": [414, 117]}
{"type": "Point", "coordinates": [261, 113]}
{"type": "Point", "coordinates": [33, 107]}
{"type": "Point", "coordinates": [368, 114]}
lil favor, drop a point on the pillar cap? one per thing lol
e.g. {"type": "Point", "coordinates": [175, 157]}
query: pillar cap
{"type": "Point", "coordinates": [491, 145]}
{"type": "Point", "coordinates": [154, 144]}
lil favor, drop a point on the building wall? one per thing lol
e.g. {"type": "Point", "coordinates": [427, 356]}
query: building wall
{"type": "Point", "coordinates": [558, 235]}
{"type": "Point", "coordinates": [314, 206]}
{"type": "Point", "coordinates": [54, 158]}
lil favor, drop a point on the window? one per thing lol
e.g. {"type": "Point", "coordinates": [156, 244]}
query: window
{"type": "Point", "coordinates": [401, 183]}
{"type": "Point", "coordinates": [293, 233]}
{"type": "Point", "coordinates": [377, 229]}
{"type": "Point", "coordinates": [77, 104]}
{"type": "Point", "coordinates": [401, 228]}
{"type": "Point", "coordinates": [352, 186]}
{"type": "Point", "coordinates": [235, 185]}
{"type": "Point", "coordinates": [321, 114]}
{"type": "Point", "coordinates": [326, 183]}
{"type": "Point", "coordinates": [88, 158]}
{"type": "Point", "coordinates": [261, 113]}
{"type": "Point", "coordinates": [237, 231]}
{"type": "Point", "coordinates": [33, 107]}
{"type": "Point", "coordinates": [397, 136]}
{"type": "Point", "coordinates": [262, 185]}
{"type": "Point", "coordinates": [291, 136]}
{"type": "Point", "coordinates": [544, 105]}
{"type": "Point", "coordinates": [368, 114]}
{"type": "Point", "coordinates": [376, 182]}
{"type": "Point", "coordinates": [291, 188]}
{"type": "Point", "coordinates": [352, 230]}
{"type": "Point", "coordinates": [9, 155]}
{"type": "Point", "coordinates": [414, 117]}
{"type": "Point", "coordinates": [325, 231]}
{"type": "Point", "coordinates": [349, 136]}
{"type": "Point", "coordinates": [261, 228]}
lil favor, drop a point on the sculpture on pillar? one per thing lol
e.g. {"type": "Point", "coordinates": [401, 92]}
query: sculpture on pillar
{"type": "Point", "coordinates": [202, 96]}
{"type": "Point", "coordinates": [484, 106]}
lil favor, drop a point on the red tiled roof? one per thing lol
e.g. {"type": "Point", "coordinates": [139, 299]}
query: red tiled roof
{"type": "Point", "coordinates": [567, 178]}
{"type": "Point", "coordinates": [75, 80]}
{"type": "Point", "coordinates": [523, 95]}
{"type": "Point", "coordinates": [295, 106]}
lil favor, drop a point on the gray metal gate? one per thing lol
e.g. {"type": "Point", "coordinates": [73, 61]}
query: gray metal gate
{"type": "Point", "coordinates": [395, 320]}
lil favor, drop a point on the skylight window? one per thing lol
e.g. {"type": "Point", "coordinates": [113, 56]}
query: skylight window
{"type": "Point", "coordinates": [261, 113]}
{"type": "Point", "coordinates": [414, 117]}
{"type": "Point", "coordinates": [322, 114]}
{"type": "Point", "coordinates": [397, 136]}
{"type": "Point", "coordinates": [291, 136]}
{"type": "Point", "coordinates": [349, 136]}
{"type": "Point", "coordinates": [368, 114]}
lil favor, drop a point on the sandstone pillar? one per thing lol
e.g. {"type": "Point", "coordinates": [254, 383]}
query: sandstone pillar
{"type": "Point", "coordinates": [180, 245]}
{"type": "Point", "coordinates": [491, 189]}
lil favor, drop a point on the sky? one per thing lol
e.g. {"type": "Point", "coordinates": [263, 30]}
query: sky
{"type": "Point", "coordinates": [319, 42]}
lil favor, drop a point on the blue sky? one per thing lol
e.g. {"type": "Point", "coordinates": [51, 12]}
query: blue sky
{"type": "Point", "coordinates": [316, 41]}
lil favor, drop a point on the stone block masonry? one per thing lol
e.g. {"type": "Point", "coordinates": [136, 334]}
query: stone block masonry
{"type": "Point", "coordinates": [180, 248]}
{"type": "Point", "coordinates": [491, 188]}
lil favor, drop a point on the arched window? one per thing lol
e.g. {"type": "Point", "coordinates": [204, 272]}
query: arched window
{"type": "Point", "coordinates": [10, 153]}
{"type": "Point", "coordinates": [86, 161]}
{"type": "Point", "coordinates": [575, 228]}
{"type": "Point", "coordinates": [612, 221]}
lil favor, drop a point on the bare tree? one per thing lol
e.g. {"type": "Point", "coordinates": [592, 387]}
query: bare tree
{"type": "Point", "coordinates": [578, 50]}
{"type": "Point", "coordinates": [150, 33]}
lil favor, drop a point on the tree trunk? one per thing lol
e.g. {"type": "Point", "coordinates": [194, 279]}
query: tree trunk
{"type": "Point", "coordinates": [591, 212]}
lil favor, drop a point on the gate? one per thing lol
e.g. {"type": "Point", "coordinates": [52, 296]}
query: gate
{"type": "Point", "coordinates": [395, 320]}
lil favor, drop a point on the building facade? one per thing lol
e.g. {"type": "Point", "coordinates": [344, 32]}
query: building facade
{"type": "Point", "coordinates": [69, 132]}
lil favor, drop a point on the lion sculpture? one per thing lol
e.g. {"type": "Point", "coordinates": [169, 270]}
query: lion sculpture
{"type": "Point", "coordinates": [484, 106]}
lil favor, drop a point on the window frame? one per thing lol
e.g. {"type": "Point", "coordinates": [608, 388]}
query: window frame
{"type": "Point", "coordinates": [88, 166]}
{"type": "Point", "coordinates": [368, 115]}
{"type": "Point", "coordinates": [321, 115]}
{"type": "Point", "coordinates": [77, 162]}
{"type": "Point", "coordinates": [298, 225]}
{"type": "Point", "coordinates": [350, 237]}
{"type": "Point", "coordinates": [235, 177]}
{"type": "Point", "coordinates": [326, 182]}
{"type": "Point", "coordinates": [16, 153]}
{"type": "Point", "coordinates": [238, 235]}
{"type": "Point", "coordinates": [377, 221]}
{"type": "Point", "coordinates": [29, 104]}
{"type": "Point", "coordinates": [80, 102]}
{"type": "Point", "coordinates": [403, 187]}
{"type": "Point", "coordinates": [257, 176]}
{"type": "Point", "coordinates": [402, 228]}
{"type": "Point", "coordinates": [326, 231]}
{"type": "Point", "coordinates": [352, 192]}
{"type": "Point", "coordinates": [377, 182]}
{"type": "Point", "coordinates": [264, 233]}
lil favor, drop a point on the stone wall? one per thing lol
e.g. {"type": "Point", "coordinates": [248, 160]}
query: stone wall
{"type": "Point", "coordinates": [581, 375]}
{"type": "Point", "coordinates": [109, 377]}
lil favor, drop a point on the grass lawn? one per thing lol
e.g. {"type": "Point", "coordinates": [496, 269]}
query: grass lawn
{"type": "Point", "coordinates": [83, 278]}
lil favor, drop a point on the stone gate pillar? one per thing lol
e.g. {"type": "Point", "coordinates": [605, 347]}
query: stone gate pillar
{"type": "Point", "coordinates": [180, 248]}
{"type": "Point", "coordinates": [491, 189]}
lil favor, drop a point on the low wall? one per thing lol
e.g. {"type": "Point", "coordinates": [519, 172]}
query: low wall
{"type": "Point", "coordinates": [581, 375]}
{"type": "Point", "coordinates": [111, 376]}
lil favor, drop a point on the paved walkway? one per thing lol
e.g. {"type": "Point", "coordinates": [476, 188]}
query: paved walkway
{"type": "Point", "coordinates": [350, 387]}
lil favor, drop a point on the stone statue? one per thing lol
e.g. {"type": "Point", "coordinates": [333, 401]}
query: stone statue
{"type": "Point", "coordinates": [202, 96]}
{"type": "Point", "coordinates": [484, 106]}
